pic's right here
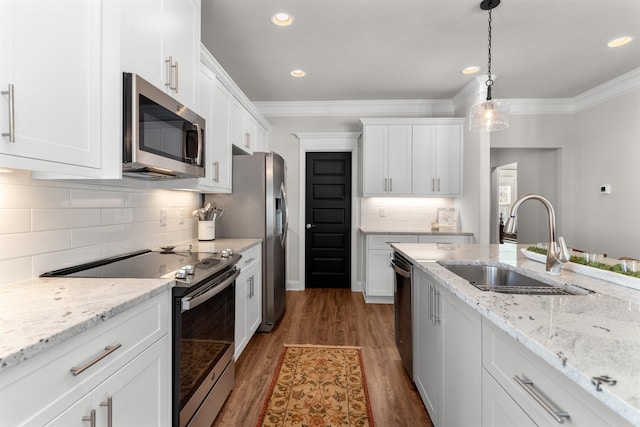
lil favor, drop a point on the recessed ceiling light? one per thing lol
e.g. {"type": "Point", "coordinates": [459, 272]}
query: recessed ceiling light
{"type": "Point", "coordinates": [282, 19]}
{"type": "Point", "coordinates": [620, 41]}
{"type": "Point", "coordinates": [471, 70]}
{"type": "Point", "coordinates": [298, 73]}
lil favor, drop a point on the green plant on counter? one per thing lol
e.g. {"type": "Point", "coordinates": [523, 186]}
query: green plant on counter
{"type": "Point", "coordinates": [617, 268]}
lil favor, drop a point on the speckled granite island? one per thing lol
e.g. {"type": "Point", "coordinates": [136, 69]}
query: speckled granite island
{"type": "Point", "coordinates": [39, 313]}
{"type": "Point", "coordinates": [592, 340]}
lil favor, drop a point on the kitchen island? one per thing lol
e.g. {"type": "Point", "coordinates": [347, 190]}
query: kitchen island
{"type": "Point", "coordinates": [591, 340]}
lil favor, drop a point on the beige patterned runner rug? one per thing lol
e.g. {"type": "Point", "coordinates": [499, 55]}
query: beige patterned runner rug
{"type": "Point", "coordinates": [318, 386]}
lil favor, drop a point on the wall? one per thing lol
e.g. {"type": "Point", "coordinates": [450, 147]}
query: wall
{"type": "Point", "coordinates": [47, 225]}
{"type": "Point", "coordinates": [605, 150]}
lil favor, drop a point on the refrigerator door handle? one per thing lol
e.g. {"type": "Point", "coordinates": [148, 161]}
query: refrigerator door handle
{"type": "Point", "coordinates": [285, 220]}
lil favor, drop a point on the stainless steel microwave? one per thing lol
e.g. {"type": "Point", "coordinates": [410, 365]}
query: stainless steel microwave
{"type": "Point", "coordinates": [162, 139]}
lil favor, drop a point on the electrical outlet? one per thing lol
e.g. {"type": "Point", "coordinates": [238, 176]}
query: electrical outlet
{"type": "Point", "coordinates": [382, 212]}
{"type": "Point", "coordinates": [163, 216]}
{"type": "Point", "coordinates": [605, 189]}
{"type": "Point", "coordinates": [181, 216]}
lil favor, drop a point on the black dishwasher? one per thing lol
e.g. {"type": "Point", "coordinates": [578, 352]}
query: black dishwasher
{"type": "Point", "coordinates": [402, 310]}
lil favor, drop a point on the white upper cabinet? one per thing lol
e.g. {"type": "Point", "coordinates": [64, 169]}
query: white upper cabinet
{"type": "Point", "coordinates": [50, 76]}
{"type": "Point", "coordinates": [437, 159]}
{"type": "Point", "coordinates": [387, 160]}
{"type": "Point", "coordinates": [161, 42]}
{"type": "Point", "coordinates": [412, 157]}
{"type": "Point", "coordinates": [215, 101]}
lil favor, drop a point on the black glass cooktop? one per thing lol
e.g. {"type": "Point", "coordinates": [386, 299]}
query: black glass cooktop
{"type": "Point", "coordinates": [143, 264]}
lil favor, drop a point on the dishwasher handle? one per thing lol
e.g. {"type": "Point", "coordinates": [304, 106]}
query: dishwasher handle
{"type": "Point", "coordinates": [399, 269]}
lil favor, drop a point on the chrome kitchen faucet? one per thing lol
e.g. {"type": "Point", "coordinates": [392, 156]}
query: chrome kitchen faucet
{"type": "Point", "coordinates": [557, 252]}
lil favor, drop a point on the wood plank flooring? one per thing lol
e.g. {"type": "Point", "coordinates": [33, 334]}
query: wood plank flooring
{"type": "Point", "coordinates": [329, 317]}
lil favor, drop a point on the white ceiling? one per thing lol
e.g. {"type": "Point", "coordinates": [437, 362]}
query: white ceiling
{"type": "Point", "coordinates": [416, 49]}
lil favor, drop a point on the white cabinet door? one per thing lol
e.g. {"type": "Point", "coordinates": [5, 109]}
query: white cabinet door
{"type": "Point", "coordinates": [236, 130]}
{"type": "Point", "coordinates": [138, 394]}
{"type": "Point", "coordinates": [442, 238]}
{"type": "Point", "coordinates": [248, 298]}
{"type": "Point", "coordinates": [249, 132]}
{"type": "Point", "coordinates": [437, 159]}
{"type": "Point", "coordinates": [50, 53]}
{"type": "Point", "coordinates": [379, 276]}
{"type": "Point", "coordinates": [161, 43]}
{"type": "Point", "coordinates": [426, 345]}
{"type": "Point", "coordinates": [214, 103]}
{"type": "Point", "coordinates": [399, 158]}
{"type": "Point", "coordinates": [449, 160]}
{"type": "Point", "coordinates": [461, 361]}
{"type": "Point", "coordinates": [447, 354]}
{"type": "Point", "coordinates": [374, 164]}
{"type": "Point", "coordinates": [241, 335]}
{"type": "Point", "coordinates": [424, 159]}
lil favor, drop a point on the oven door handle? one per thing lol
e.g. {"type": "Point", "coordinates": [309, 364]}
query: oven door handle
{"type": "Point", "coordinates": [189, 302]}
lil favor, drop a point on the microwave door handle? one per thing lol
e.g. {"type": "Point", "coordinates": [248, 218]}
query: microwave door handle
{"type": "Point", "coordinates": [189, 302]}
{"type": "Point", "coordinates": [200, 144]}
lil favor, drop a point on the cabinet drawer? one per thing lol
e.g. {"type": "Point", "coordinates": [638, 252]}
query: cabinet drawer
{"type": "Point", "coordinates": [382, 241]}
{"type": "Point", "coordinates": [506, 359]}
{"type": "Point", "coordinates": [250, 256]}
{"type": "Point", "coordinates": [47, 379]}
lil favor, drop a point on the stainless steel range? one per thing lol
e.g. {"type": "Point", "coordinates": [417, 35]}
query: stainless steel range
{"type": "Point", "coordinates": [203, 321]}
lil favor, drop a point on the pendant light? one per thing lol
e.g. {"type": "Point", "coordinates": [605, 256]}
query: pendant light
{"type": "Point", "coordinates": [490, 115]}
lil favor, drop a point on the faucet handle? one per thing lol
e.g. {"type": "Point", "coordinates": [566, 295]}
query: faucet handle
{"type": "Point", "coordinates": [563, 255]}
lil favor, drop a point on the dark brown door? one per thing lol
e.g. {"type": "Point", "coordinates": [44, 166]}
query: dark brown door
{"type": "Point", "coordinates": [328, 220]}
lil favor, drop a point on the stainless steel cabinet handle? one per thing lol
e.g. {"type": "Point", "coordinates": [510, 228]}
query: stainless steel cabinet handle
{"type": "Point", "coordinates": [169, 81]}
{"type": "Point", "coordinates": [247, 140]}
{"type": "Point", "coordinates": [216, 175]}
{"type": "Point", "coordinates": [12, 115]}
{"type": "Point", "coordinates": [438, 185]}
{"type": "Point", "coordinates": [390, 185]}
{"type": "Point", "coordinates": [433, 185]}
{"type": "Point", "coordinates": [107, 351]}
{"type": "Point", "coordinates": [249, 261]}
{"type": "Point", "coordinates": [109, 405]}
{"type": "Point", "coordinates": [557, 415]}
{"type": "Point", "coordinates": [91, 418]}
{"type": "Point", "coordinates": [385, 185]}
{"type": "Point", "coordinates": [436, 306]}
{"type": "Point", "coordinates": [431, 304]}
{"type": "Point", "coordinates": [176, 78]}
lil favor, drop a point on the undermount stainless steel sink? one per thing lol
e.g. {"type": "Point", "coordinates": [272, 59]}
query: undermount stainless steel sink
{"type": "Point", "coordinates": [505, 281]}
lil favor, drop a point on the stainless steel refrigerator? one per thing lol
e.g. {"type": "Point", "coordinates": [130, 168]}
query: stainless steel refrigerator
{"type": "Point", "coordinates": [258, 208]}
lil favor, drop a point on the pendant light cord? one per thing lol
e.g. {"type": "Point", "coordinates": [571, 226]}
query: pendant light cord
{"type": "Point", "coordinates": [489, 82]}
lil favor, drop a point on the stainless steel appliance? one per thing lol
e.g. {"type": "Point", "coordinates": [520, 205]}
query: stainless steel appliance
{"type": "Point", "coordinates": [203, 370]}
{"type": "Point", "coordinates": [402, 310]}
{"type": "Point", "coordinates": [162, 139]}
{"type": "Point", "coordinates": [258, 208]}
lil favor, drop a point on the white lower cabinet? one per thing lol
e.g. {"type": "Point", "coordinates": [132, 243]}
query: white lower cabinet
{"type": "Point", "coordinates": [443, 238]}
{"type": "Point", "coordinates": [127, 359]}
{"type": "Point", "coordinates": [542, 394]}
{"type": "Point", "coordinates": [136, 395]}
{"type": "Point", "coordinates": [248, 298]}
{"type": "Point", "coordinates": [378, 273]}
{"type": "Point", "coordinates": [446, 353]}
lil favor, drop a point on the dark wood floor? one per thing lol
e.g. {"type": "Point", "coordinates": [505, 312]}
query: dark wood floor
{"type": "Point", "coordinates": [329, 317]}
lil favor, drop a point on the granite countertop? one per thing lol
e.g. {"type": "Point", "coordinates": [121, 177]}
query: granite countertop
{"type": "Point", "coordinates": [390, 230]}
{"type": "Point", "coordinates": [580, 336]}
{"type": "Point", "coordinates": [38, 313]}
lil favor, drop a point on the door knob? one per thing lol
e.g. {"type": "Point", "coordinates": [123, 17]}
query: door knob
{"type": "Point", "coordinates": [310, 226]}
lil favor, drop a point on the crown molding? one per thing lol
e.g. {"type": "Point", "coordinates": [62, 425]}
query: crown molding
{"type": "Point", "coordinates": [448, 107]}
{"type": "Point", "coordinates": [409, 107]}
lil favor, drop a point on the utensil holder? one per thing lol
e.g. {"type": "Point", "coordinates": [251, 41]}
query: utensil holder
{"type": "Point", "coordinates": [206, 230]}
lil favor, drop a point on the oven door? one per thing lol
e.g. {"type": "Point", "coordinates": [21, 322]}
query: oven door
{"type": "Point", "coordinates": [203, 347]}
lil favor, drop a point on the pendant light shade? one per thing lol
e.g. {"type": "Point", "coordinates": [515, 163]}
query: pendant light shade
{"type": "Point", "coordinates": [490, 115]}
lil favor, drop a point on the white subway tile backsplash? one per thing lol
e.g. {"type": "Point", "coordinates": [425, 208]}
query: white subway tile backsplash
{"type": "Point", "coordinates": [57, 219]}
{"type": "Point", "coordinates": [15, 221]}
{"type": "Point", "coordinates": [117, 216]}
{"type": "Point", "coordinates": [25, 244]}
{"type": "Point", "coordinates": [30, 197]}
{"type": "Point", "coordinates": [46, 225]}
{"type": "Point", "coordinates": [14, 270]}
{"type": "Point", "coordinates": [81, 198]}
